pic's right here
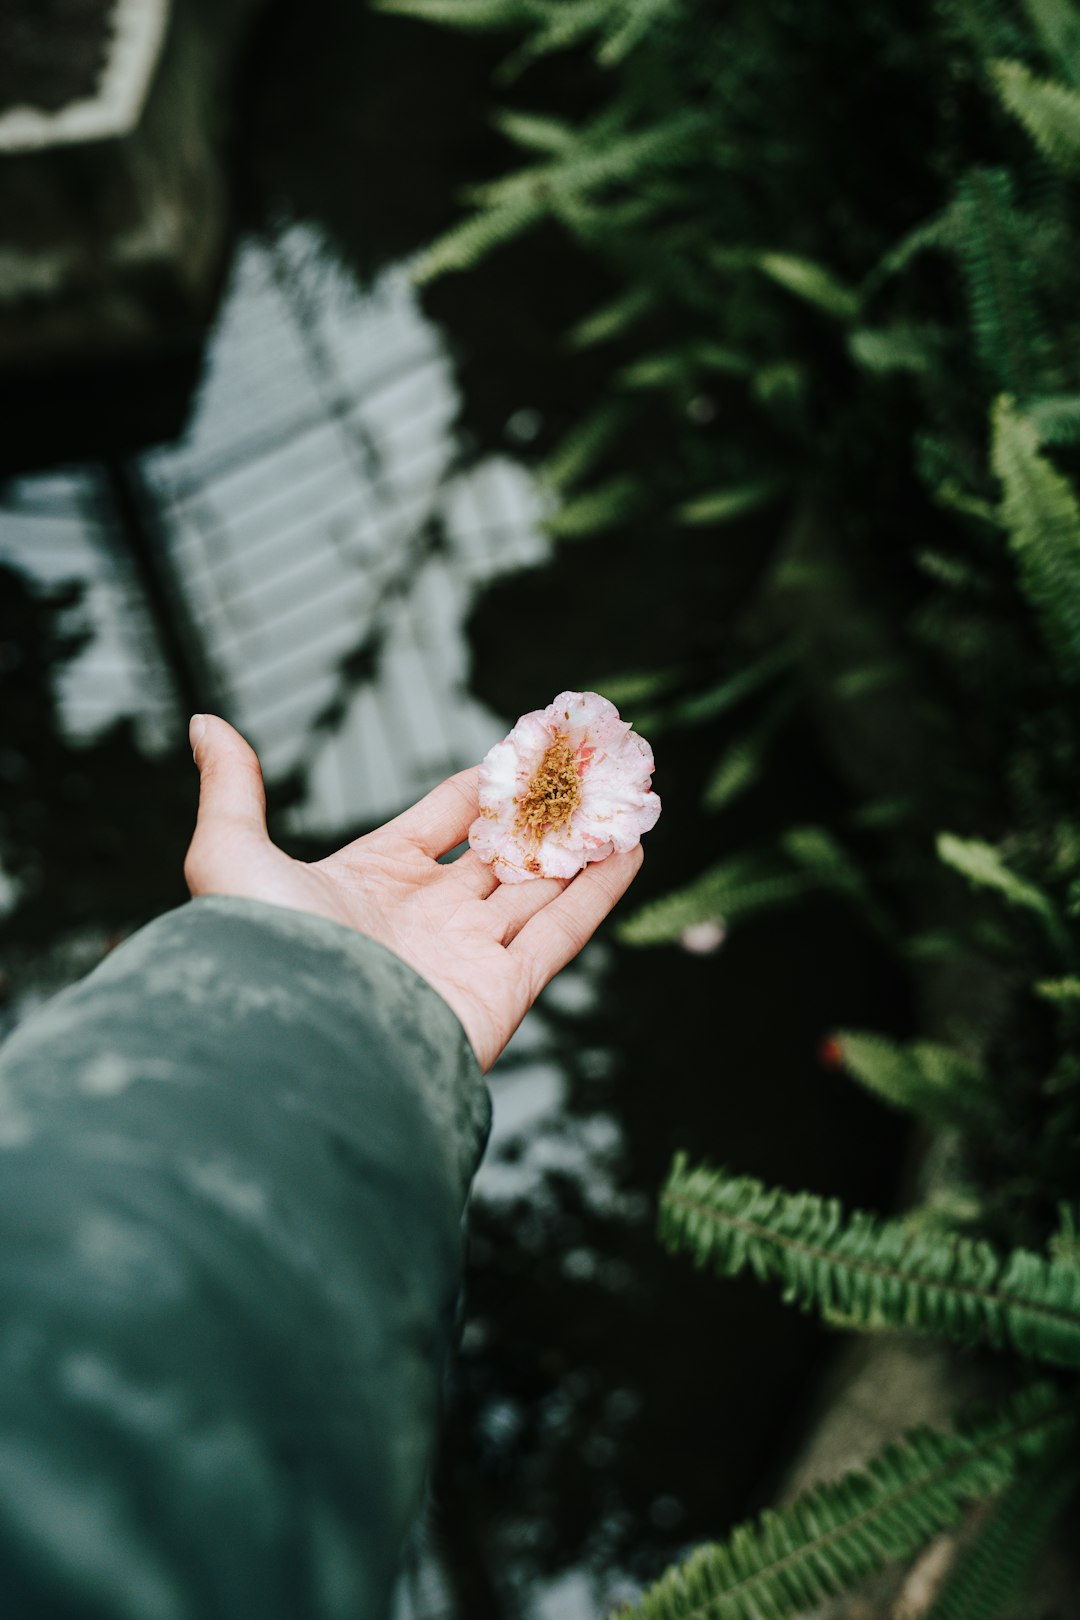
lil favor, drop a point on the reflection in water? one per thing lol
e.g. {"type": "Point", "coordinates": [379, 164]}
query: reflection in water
{"type": "Point", "coordinates": [324, 547]}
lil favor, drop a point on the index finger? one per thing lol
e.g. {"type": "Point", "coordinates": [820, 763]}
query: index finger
{"type": "Point", "coordinates": [442, 818]}
{"type": "Point", "coordinates": [556, 934]}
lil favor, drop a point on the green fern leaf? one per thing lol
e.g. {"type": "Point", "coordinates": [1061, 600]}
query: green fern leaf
{"type": "Point", "coordinates": [698, 707]}
{"type": "Point", "coordinates": [479, 15]}
{"type": "Point", "coordinates": [638, 686]}
{"type": "Point", "coordinates": [892, 349]}
{"type": "Point", "coordinates": [941, 233]}
{"type": "Point", "coordinates": [1057, 24]}
{"type": "Point", "coordinates": [466, 244]}
{"type": "Point", "coordinates": [1042, 516]}
{"type": "Point", "coordinates": [584, 446]}
{"type": "Point", "coordinates": [870, 1272]}
{"type": "Point", "coordinates": [724, 505]}
{"type": "Point", "coordinates": [642, 16]}
{"type": "Point", "coordinates": [1049, 112]}
{"type": "Point", "coordinates": [997, 271]}
{"type": "Point", "coordinates": [679, 365]}
{"type": "Point", "coordinates": [982, 865]}
{"type": "Point", "coordinates": [612, 320]}
{"type": "Point", "coordinates": [812, 282]}
{"type": "Point", "coordinates": [534, 132]}
{"type": "Point", "coordinates": [993, 1571]}
{"type": "Point", "coordinates": [834, 1536]}
{"type": "Point", "coordinates": [1056, 420]}
{"type": "Point", "coordinates": [558, 28]}
{"type": "Point", "coordinates": [921, 1077]}
{"type": "Point", "coordinates": [1067, 989]}
{"type": "Point", "coordinates": [815, 850]}
{"type": "Point", "coordinates": [733, 890]}
{"type": "Point", "coordinates": [596, 509]}
{"type": "Point", "coordinates": [599, 157]}
{"type": "Point", "coordinates": [742, 764]}
{"type": "Point", "coordinates": [737, 771]}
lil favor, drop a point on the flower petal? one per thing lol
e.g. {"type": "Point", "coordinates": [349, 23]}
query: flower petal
{"type": "Point", "coordinates": [531, 773]}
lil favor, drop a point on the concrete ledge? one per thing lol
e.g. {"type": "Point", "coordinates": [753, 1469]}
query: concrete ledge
{"type": "Point", "coordinates": [115, 208]}
{"type": "Point", "coordinates": [138, 33]}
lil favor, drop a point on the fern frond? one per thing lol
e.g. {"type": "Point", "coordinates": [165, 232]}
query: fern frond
{"type": "Point", "coordinates": [733, 890]}
{"type": "Point", "coordinates": [921, 1077]}
{"type": "Point", "coordinates": [1057, 23]}
{"type": "Point", "coordinates": [595, 158]}
{"type": "Point", "coordinates": [558, 28]}
{"type": "Point", "coordinates": [892, 348]}
{"type": "Point", "coordinates": [870, 1272]}
{"type": "Point", "coordinates": [940, 233]}
{"type": "Point", "coordinates": [997, 274]}
{"type": "Point", "coordinates": [992, 1571]}
{"type": "Point", "coordinates": [479, 15]}
{"type": "Point", "coordinates": [815, 850]}
{"type": "Point", "coordinates": [595, 509]}
{"type": "Point", "coordinates": [1067, 989]}
{"type": "Point", "coordinates": [1065, 1243]}
{"type": "Point", "coordinates": [679, 365]}
{"type": "Point", "coordinates": [466, 244]}
{"type": "Point", "coordinates": [583, 446]}
{"type": "Point", "coordinates": [982, 865]}
{"type": "Point", "coordinates": [735, 773]}
{"type": "Point", "coordinates": [879, 676]}
{"type": "Point", "coordinates": [742, 763]}
{"type": "Point", "coordinates": [836, 1534]}
{"type": "Point", "coordinates": [724, 505]}
{"type": "Point", "coordinates": [599, 157]}
{"type": "Point", "coordinates": [988, 24]}
{"type": "Point", "coordinates": [1042, 515]}
{"type": "Point", "coordinates": [1049, 112]}
{"type": "Point", "coordinates": [641, 16]}
{"type": "Point", "coordinates": [612, 320]}
{"type": "Point", "coordinates": [701, 706]}
{"type": "Point", "coordinates": [812, 282]}
{"type": "Point", "coordinates": [638, 686]}
{"type": "Point", "coordinates": [534, 131]}
{"type": "Point", "coordinates": [1056, 420]}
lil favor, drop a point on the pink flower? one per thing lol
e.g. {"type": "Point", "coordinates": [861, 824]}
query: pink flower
{"type": "Point", "coordinates": [571, 784]}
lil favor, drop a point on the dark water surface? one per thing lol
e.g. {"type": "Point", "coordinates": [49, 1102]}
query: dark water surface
{"type": "Point", "coordinates": [343, 550]}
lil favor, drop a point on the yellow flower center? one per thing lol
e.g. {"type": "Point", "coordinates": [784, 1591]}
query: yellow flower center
{"type": "Point", "coordinates": [553, 794]}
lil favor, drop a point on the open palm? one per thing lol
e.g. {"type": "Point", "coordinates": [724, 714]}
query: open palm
{"type": "Point", "coordinates": [487, 948]}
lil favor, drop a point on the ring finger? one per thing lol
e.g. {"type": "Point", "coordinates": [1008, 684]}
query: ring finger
{"type": "Point", "coordinates": [512, 905]}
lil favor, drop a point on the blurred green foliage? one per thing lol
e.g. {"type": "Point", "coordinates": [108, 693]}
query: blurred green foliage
{"type": "Point", "coordinates": [843, 249]}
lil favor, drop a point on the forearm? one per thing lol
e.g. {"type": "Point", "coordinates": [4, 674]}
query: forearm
{"type": "Point", "coordinates": [234, 1166]}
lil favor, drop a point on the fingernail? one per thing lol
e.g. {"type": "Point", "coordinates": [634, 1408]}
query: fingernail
{"type": "Point", "coordinates": [196, 727]}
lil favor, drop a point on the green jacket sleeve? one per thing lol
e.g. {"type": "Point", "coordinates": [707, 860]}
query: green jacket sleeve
{"type": "Point", "coordinates": [233, 1167]}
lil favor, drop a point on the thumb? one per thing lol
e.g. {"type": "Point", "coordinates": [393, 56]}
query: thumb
{"type": "Point", "coordinates": [232, 802]}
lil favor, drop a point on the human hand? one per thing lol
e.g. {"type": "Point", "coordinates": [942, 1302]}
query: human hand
{"type": "Point", "coordinates": [487, 948]}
